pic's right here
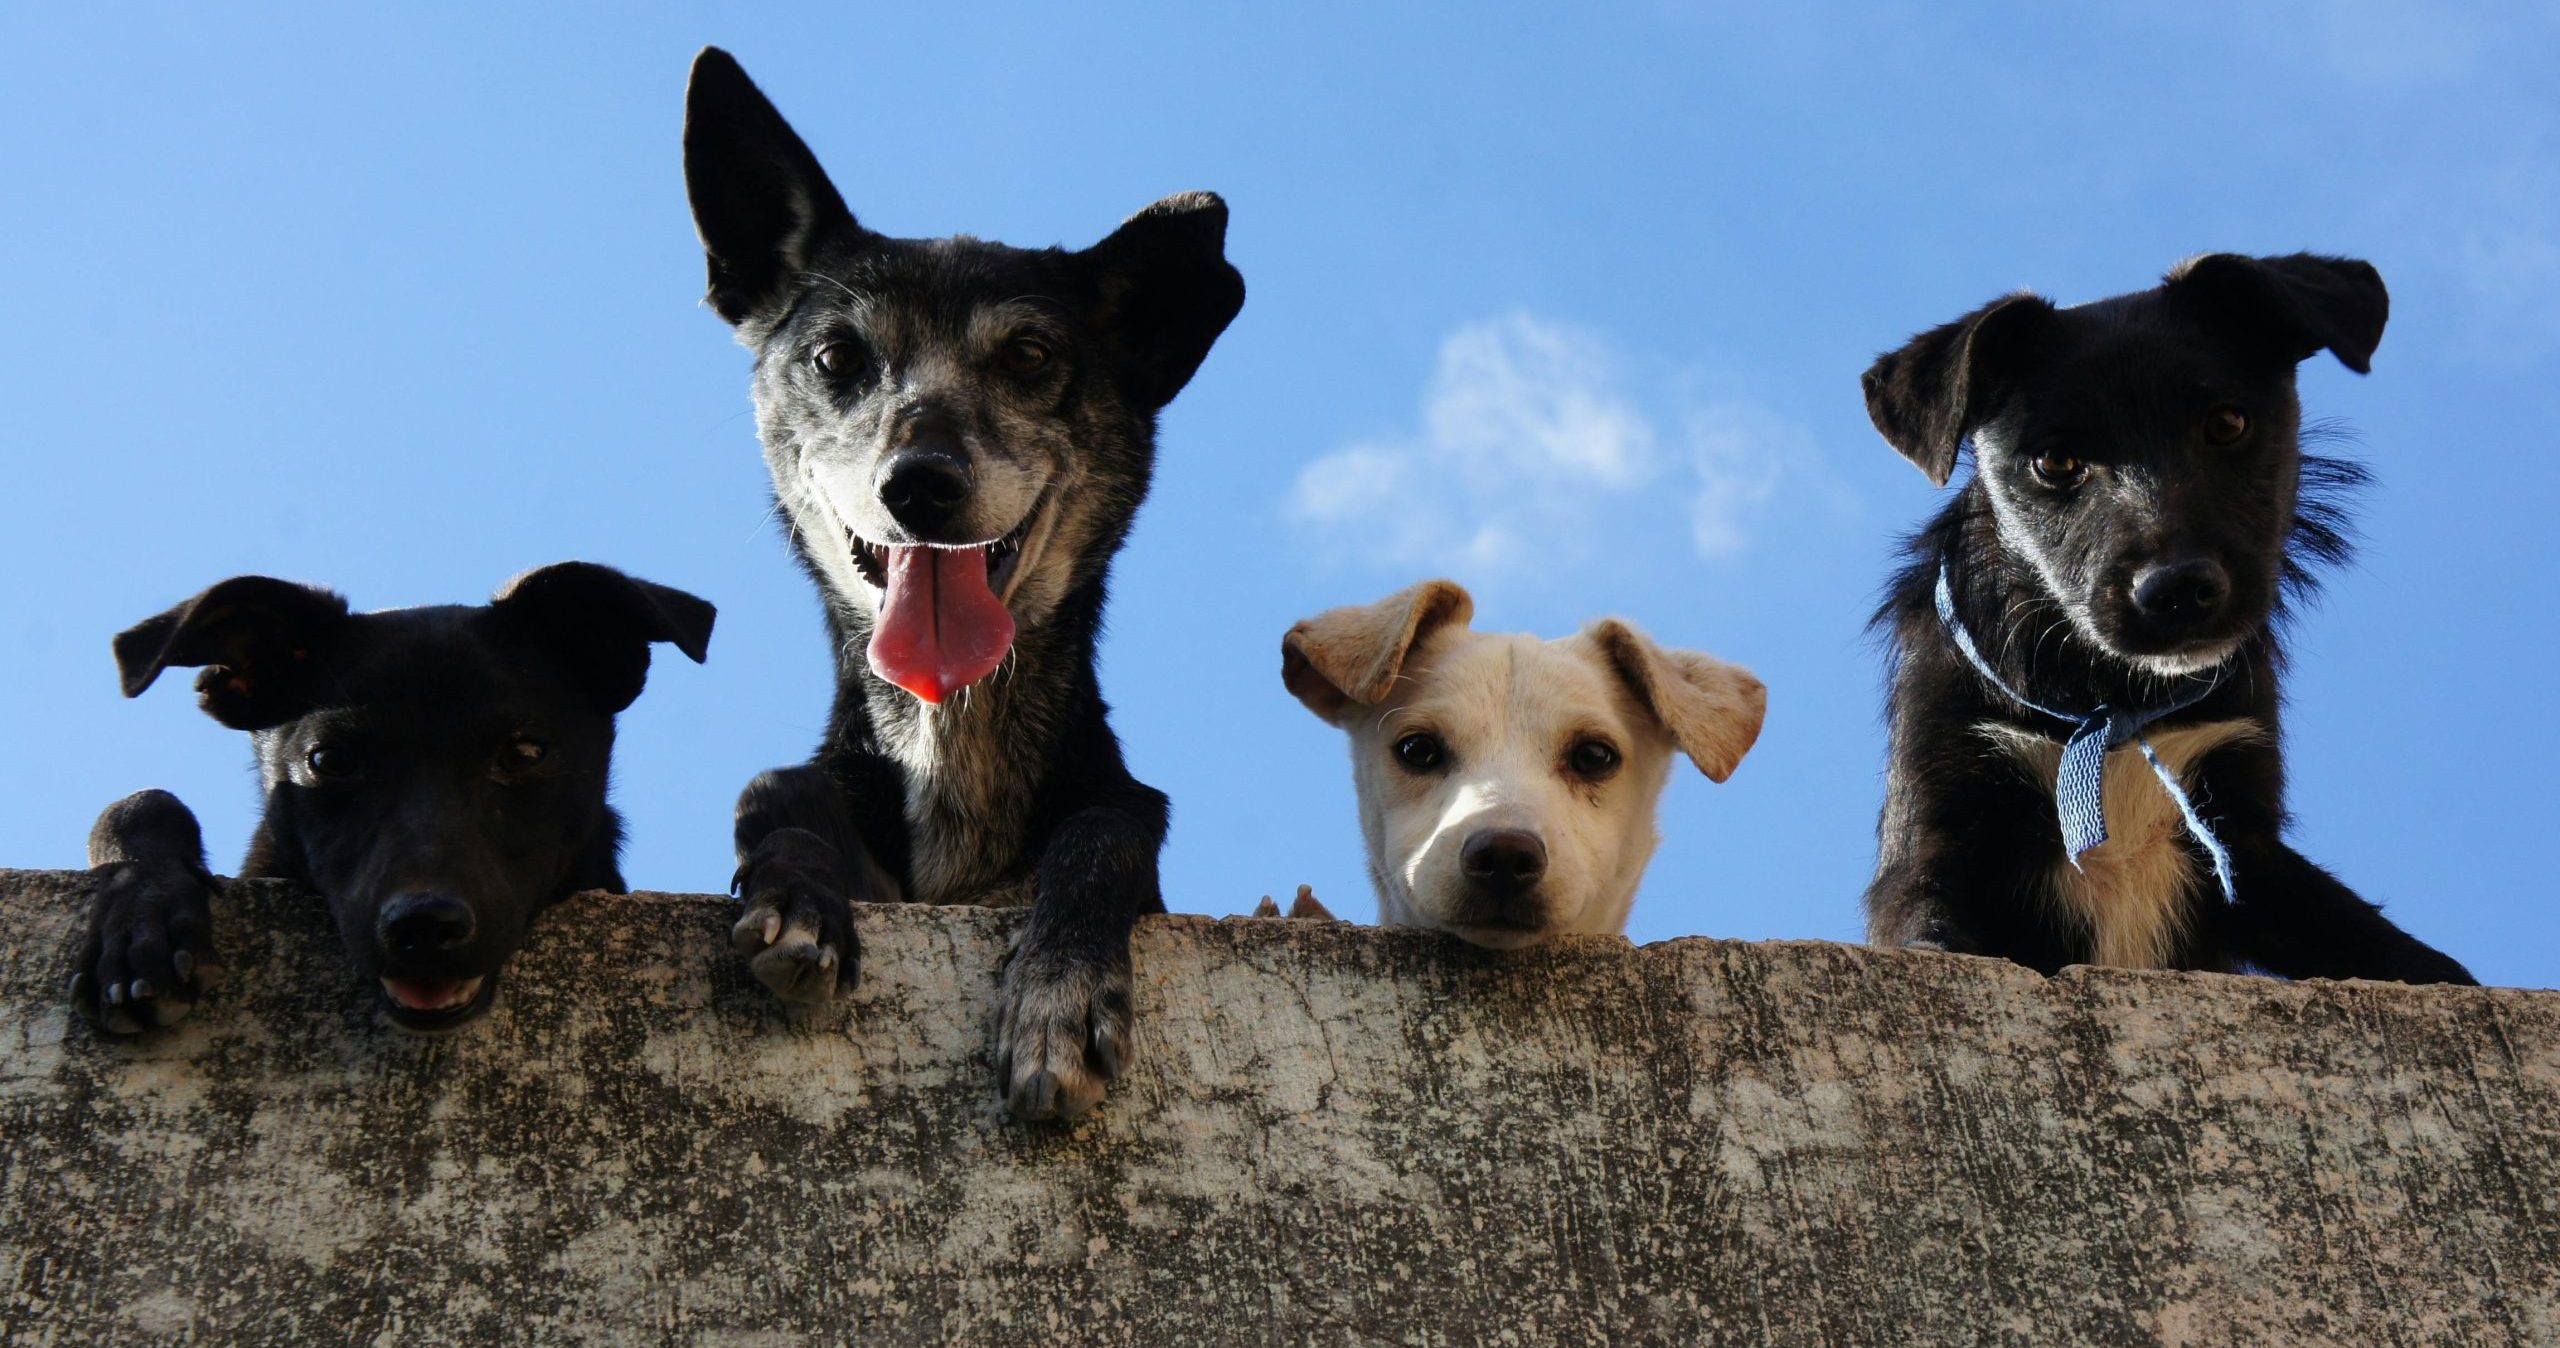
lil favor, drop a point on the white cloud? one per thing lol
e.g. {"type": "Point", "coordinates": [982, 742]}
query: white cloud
{"type": "Point", "coordinates": [1739, 454]}
{"type": "Point", "coordinates": [1530, 449]}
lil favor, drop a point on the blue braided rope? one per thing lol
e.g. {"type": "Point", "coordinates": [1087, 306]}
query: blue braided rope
{"type": "Point", "coordinates": [2080, 780]}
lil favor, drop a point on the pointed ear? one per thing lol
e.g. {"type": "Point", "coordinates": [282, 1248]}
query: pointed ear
{"type": "Point", "coordinates": [1348, 657]}
{"type": "Point", "coordinates": [1927, 396]}
{"type": "Point", "coordinates": [259, 640]}
{"type": "Point", "coordinates": [1166, 291]}
{"type": "Point", "coordinates": [760, 201]}
{"type": "Point", "coordinates": [1712, 709]}
{"type": "Point", "coordinates": [2298, 303]}
{"type": "Point", "coordinates": [600, 624]}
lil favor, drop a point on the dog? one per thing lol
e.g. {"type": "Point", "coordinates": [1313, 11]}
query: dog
{"type": "Point", "coordinates": [2110, 589]}
{"type": "Point", "coordinates": [958, 433]}
{"type": "Point", "coordinates": [437, 775]}
{"type": "Point", "coordinates": [1507, 785]}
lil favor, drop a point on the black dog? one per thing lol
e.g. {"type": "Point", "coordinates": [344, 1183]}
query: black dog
{"type": "Point", "coordinates": [436, 775]}
{"type": "Point", "coordinates": [959, 433]}
{"type": "Point", "coordinates": [2115, 574]}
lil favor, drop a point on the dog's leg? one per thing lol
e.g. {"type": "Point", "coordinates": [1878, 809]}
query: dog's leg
{"type": "Point", "coordinates": [1959, 871]}
{"type": "Point", "coordinates": [1908, 906]}
{"type": "Point", "coordinates": [801, 867]}
{"type": "Point", "coordinates": [147, 956]}
{"type": "Point", "coordinates": [2298, 920]}
{"type": "Point", "coordinates": [1064, 1025]}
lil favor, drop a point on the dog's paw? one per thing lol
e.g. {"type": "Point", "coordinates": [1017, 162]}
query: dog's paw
{"type": "Point", "coordinates": [797, 926]}
{"type": "Point", "coordinates": [1063, 1033]}
{"type": "Point", "coordinates": [147, 956]}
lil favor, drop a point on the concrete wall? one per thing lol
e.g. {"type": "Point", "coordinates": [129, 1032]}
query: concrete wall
{"type": "Point", "coordinates": [1334, 1135]}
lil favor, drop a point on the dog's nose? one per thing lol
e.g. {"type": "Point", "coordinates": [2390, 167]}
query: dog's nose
{"type": "Point", "coordinates": [1503, 862]}
{"type": "Point", "coordinates": [923, 487]}
{"type": "Point", "coordinates": [2181, 594]}
{"type": "Point", "coordinates": [423, 923]}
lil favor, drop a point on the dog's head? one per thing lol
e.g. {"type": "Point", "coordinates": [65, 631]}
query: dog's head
{"type": "Point", "coordinates": [1507, 784]}
{"type": "Point", "coordinates": [2142, 454]}
{"type": "Point", "coordinates": [437, 774]}
{"type": "Point", "coordinates": [959, 431]}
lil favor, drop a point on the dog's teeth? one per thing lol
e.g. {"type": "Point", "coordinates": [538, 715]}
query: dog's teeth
{"type": "Point", "coordinates": [772, 928]}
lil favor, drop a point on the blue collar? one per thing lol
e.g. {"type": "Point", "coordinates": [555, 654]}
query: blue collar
{"type": "Point", "coordinates": [2079, 787]}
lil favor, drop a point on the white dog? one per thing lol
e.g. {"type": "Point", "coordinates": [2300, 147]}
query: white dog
{"type": "Point", "coordinates": [1507, 784]}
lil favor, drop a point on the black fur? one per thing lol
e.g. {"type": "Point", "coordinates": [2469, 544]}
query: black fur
{"type": "Point", "coordinates": [436, 775]}
{"type": "Point", "coordinates": [870, 350]}
{"type": "Point", "coordinates": [2104, 462]}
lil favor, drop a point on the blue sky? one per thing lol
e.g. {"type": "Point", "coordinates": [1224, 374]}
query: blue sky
{"type": "Point", "coordinates": [405, 303]}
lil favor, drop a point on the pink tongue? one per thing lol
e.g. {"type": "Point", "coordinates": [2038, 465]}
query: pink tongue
{"type": "Point", "coordinates": [941, 629]}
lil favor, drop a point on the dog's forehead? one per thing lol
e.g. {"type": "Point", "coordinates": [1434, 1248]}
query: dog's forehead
{"type": "Point", "coordinates": [2147, 334]}
{"type": "Point", "coordinates": [941, 287]}
{"type": "Point", "coordinates": [1517, 683]}
{"type": "Point", "coordinates": [2132, 359]}
{"type": "Point", "coordinates": [441, 664]}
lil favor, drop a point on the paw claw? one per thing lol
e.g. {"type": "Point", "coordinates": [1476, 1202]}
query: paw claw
{"type": "Point", "coordinates": [1063, 1035]}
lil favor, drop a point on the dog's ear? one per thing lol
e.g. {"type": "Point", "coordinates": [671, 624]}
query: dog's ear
{"type": "Point", "coordinates": [1712, 709]}
{"type": "Point", "coordinates": [2298, 303]}
{"type": "Point", "coordinates": [259, 640]}
{"type": "Point", "coordinates": [760, 201]}
{"type": "Point", "coordinates": [1165, 290]}
{"type": "Point", "coordinates": [600, 624]}
{"type": "Point", "coordinates": [1347, 657]}
{"type": "Point", "coordinates": [1925, 397]}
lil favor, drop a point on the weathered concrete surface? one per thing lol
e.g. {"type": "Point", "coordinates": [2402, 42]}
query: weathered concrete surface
{"type": "Point", "coordinates": [1334, 1135]}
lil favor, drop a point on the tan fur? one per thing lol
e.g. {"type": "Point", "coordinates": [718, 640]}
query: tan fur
{"type": "Point", "coordinates": [2131, 893]}
{"type": "Point", "coordinates": [1510, 707]}
{"type": "Point", "coordinates": [1713, 710]}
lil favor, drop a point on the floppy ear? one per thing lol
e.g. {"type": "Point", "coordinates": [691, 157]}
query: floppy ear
{"type": "Point", "coordinates": [1925, 397]}
{"type": "Point", "coordinates": [1166, 291]}
{"type": "Point", "coordinates": [1353, 656]}
{"type": "Point", "coordinates": [1712, 709]}
{"type": "Point", "coordinates": [760, 201]}
{"type": "Point", "coordinates": [600, 623]}
{"type": "Point", "coordinates": [258, 639]}
{"type": "Point", "coordinates": [2299, 303]}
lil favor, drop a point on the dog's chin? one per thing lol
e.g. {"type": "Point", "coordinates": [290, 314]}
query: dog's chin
{"type": "Point", "coordinates": [2187, 663]}
{"type": "Point", "coordinates": [435, 1005]}
{"type": "Point", "coordinates": [1490, 935]}
{"type": "Point", "coordinates": [1498, 938]}
{"type": "Point", "coordinates": [2180, 661]}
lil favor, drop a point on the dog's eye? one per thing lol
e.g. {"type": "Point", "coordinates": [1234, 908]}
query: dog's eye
{"type": "Point", "coordinates": [329, 760]}
{"type": "Point", "coordinates": [1420, 752]}
{"type": "Point", "coordinates": [1023, 355]}
{"type": "Point", "coordinates": [1592, 760]}
{"type": "Point", "coordinates": [2059, 470]}
{"type": "Point", "coordinates": [838, 359]}
{"type": "Point", "coordinates": [2225, 425]}
{"type": "Point", "coordinates": [525, 752]}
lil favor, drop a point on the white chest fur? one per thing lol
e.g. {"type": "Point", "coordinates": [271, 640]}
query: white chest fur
{"type": "Point", "coordinates": [2132, 893]}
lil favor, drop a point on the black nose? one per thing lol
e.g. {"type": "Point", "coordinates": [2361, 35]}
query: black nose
{"type": "Point", "coordinates": [2181, 594]}
{"type": "Point", "coordinates": [1503, 862]}
{"type": "Point", "coordinates": [923, 488]}
{"type": "Point", "coordinates": [422, 923]}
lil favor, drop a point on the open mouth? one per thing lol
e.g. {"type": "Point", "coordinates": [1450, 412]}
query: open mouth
{"type": "Point", "coordinates": [944, 623]}
{"type": "Point", "coordinates": [1001, 558]}
{"type": "Point", "coordinates": [436, 1003]}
